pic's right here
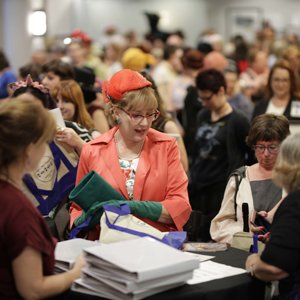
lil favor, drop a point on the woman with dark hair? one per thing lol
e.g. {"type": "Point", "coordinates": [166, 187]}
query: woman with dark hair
{"type": "Point", "coordinates": [220, 146]}
{"type": "Point", "coordinates": [255, 188]}
{"type": "Point", "coordinates": [282, 93]}
{"type": "Point", "coordinates": [54, 71]}
{"type": "Point", "coordinates": [36, 90]}
{"type": "Point", "coordinates": [281, 256]}
{"type": "Point", "coordinates": [6, 76]}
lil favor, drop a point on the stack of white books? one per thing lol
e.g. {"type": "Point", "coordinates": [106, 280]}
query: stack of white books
{"type": "Point", "coordinates": [134, 269]}
{"type": "Point", "coordinates": [66, 253]}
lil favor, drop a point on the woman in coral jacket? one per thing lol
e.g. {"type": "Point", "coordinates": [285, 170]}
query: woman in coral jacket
{"type": "Point", "coordinates": [139, 162]}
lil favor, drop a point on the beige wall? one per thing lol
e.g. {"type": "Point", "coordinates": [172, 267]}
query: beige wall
{"type": "Point", "coordinates": [92, 16]}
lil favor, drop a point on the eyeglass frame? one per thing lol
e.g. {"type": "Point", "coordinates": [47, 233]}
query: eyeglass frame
{"type": "Point", "coordinates": [208, 98]}
{"type": "Point", "coordinates": [147, 116]}
{"type": "Point", "coordinates": [272, 149]}
{"type": "Point", "coordinates": [281, 80]}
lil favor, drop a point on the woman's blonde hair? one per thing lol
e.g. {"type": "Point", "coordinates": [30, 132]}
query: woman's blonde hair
{"type": "Point", "coordinates": [286, 172]}
{"type": "Point", "coordinates": [71, 91]}
{"type": "Point", "coordinates": [23, 121]}
{"type": "Point", "coordinates": [136, 100]}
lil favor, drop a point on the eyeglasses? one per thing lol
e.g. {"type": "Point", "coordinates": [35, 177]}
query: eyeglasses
{"type": "Point", "coordinates": [281, 80]}
{"type": "Point", "coordinates": [273, 149]}
{"type": "Point", "coordinates": [138, 118]}
{"type": "Point", "coordinates": [205, 98]}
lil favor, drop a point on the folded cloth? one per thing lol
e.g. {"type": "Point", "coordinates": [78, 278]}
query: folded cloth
{"type": "Point", "coordinates": [93, 189]}
{"type": "Point", "coordinates": [143, 209]}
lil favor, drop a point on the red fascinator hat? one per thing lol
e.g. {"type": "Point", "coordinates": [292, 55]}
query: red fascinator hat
{"type": "Point", "coordinates": [121, 82]}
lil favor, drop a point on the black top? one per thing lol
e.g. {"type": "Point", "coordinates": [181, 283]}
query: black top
{"type": "Point", "coordinates": [283, 248]}
{"type": "Point", "coordinates": [80, 130]}
{"type": "Point", "coordinates": [219, 148]}
{"type": "Point", "coordinates": [292, 111]}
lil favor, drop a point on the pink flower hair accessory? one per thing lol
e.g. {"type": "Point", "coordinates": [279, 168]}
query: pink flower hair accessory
{"type": "Point", "coordinates": [28, 82]}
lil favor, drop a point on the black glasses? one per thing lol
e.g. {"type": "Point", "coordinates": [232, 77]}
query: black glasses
{"type": "Point", "coordinates": [138, 118]}
{"type": "Point", "coordinates": [273, 149]}
{"type": "Point", "coordinates": [205, 98]}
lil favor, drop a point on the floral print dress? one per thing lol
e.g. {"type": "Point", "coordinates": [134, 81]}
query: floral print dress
{"type": "Point", "coordinates": [128, 168]}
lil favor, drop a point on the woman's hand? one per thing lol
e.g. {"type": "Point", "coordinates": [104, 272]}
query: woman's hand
{"type": "Point", "coordinates": [79, 264]}
{"type": "Point", "coordinates": [250, 263]}
{"type": "Point", "coordinates": [70, 137]}
{"type": "Point", "coordinates": [261, 231]}
{"type": "Point", "coordinates": [268, 216]}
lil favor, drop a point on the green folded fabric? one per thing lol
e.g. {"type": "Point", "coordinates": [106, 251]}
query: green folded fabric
{"type": "Point", "coordinates": [143, 209]}
{"type": "Point", "coordinates": [146, 209]}
{"type": "Point", "coordinates": [92, 189]}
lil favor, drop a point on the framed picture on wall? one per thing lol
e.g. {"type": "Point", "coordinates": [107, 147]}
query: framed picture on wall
{"type": "Point", "coordinates": [245, 21]}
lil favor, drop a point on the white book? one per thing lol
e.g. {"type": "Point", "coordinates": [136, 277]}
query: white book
{"type": "Point", "coordinates": [102, 290]}
{"type": "Point", "coordinates": [127, 286]}
{"type": "Point", "coordinates": [140, 259]}
{"type": "Point", "coordinates": [66, 252]}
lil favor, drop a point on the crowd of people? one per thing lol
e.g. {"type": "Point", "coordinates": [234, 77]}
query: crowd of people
{"type": "Point", "coordinates": [166, 125]}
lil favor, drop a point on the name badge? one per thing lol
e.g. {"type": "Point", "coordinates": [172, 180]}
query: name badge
{"type": "Point", "coordinates": [295, 109]}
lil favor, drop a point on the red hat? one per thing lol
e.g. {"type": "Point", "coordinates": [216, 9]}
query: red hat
{"type": "Point", "coordinates": [121, 82]}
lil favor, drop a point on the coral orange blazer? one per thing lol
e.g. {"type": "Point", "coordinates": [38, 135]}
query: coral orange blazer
{"type": "Point", "coordinates": [159, 175]}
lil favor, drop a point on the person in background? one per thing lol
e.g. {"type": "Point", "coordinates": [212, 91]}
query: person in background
{"type": "Point", "coordinates": [192, 62]}
{"type": "Point", "coordinates": [256, 188]}
{"type": "Point", "coordinates": [80, 54]}
{"type": "Point", "coordinates": [165, 73]}
{"type": "Point", "coordinates": [215, 60]}
{"type": "Point", "coordinates": [219, 147]}
{"type": "Point", "coordinates": [139, 162]}
{"type": "Point", "coordinates": [283, 93]}
{"type": "Point", "coordinates": [137, 60]}
{"type": "Point", "coordinates": [185, 97]}
{"type": "Point", "coordinates": [49, 185]}
{"type": "Point", "coordinates": [236, 95]}
{"type": "Point", "coordinates": [112, 53]}
{"type": "Point", "coordinates": [73, 134]}
{"type": "Point", "coordinates": [54, 71]}
{"type": "Point", "coordinates": [6, 76]}
{"type": "Point", "coordinates": [291, 53]}
{"type": "Point", "coordinates": [256, 74]}
{"type": "Point", "coordinates": [93, 99]}
{"type": "Point", "coordinates": [281, 256]}
{"type": "Point", "coordinates": [35, 71]}
{"type": "Point", "coordinates": [166, 124]}
{"type": "Point", "coordinates": [69, 99]}
{"type": "Point", "coordinates": [26, 245]}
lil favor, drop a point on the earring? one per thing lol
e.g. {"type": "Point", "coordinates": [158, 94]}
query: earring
{"type": "Point", "coordinates": [118, 120]}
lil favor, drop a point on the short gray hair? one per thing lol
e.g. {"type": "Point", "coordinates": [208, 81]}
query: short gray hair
{"type": "Point", "coordinates": [286, 172]}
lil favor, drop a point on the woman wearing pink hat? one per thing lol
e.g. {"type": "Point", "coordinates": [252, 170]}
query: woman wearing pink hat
{"type": "Point", "coordinates": [138, 161]}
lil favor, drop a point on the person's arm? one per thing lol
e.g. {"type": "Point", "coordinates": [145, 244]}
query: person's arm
{"type": "Point", "coordinates": [29, 278]}
{"type": "Point", "coordinates": [223, 226]}
{"type": "Point", "coordinates": [165, 217]}
{"type": "Point", "coordinates": [71, 138]}
{"type": "Point", "coordinates": [270, 214]}
{"type": "Point", "coordinates": [262, 270]}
